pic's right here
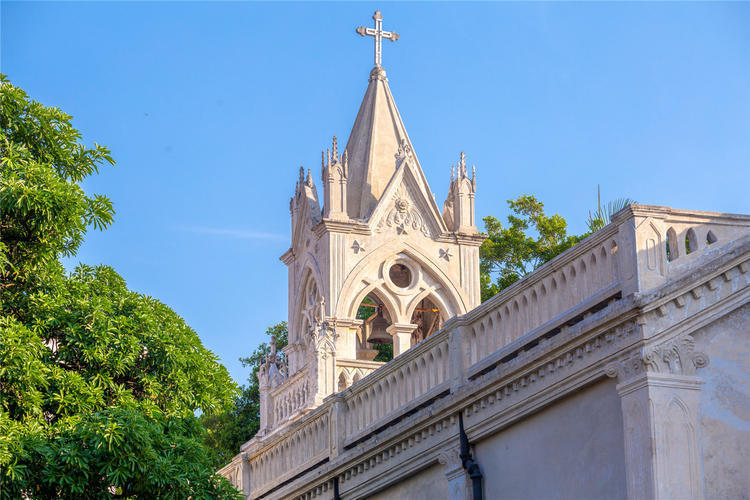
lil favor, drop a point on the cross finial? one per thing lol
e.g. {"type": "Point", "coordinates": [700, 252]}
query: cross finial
{"type": "Point", "coordinates": [378, 34]}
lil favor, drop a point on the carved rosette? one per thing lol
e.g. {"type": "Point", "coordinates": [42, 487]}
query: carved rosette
{"type": "Point", "coordinates": [675, 357]}
{"type": "Point", "coordinates": [404, 217]}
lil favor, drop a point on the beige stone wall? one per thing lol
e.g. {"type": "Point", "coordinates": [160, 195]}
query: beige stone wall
{"type": "Point", "coordinates": [641, 394]}
{"type": "Point", "coordinates": [427, 484]}
{"type": "Point", "coordinates": [572, 449]}
{"type": "Point", "coordinates": [725, 405]}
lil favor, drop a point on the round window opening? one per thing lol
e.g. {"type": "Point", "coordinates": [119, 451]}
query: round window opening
{"type": "Point", "coordinates": [400, 275]}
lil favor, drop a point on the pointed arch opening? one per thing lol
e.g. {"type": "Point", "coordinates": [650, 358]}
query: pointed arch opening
{"type": "Point", "coordinates": [374, 341]}
{"type": "Point", "coordinates": [672, 245]}
{"type": "Point", "coordinates": [691, 241]}
{"type": "Point", "coordinates": [428, 318]}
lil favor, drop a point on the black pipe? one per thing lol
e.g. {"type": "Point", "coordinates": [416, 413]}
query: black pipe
{"type": "Point", "coordinates": [336, 495]}
{"type": "Point", "coordinates": [470, 465]}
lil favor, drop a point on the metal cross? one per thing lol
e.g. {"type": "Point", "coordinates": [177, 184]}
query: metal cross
{"type": "Point", "coordinates": [378, 34]}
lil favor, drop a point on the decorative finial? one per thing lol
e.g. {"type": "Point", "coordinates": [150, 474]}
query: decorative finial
{"type": "Point", "coordinates": [453, 172]}
{"type": "Point", "coordinates": [328, 156]}
{"type": "Point", "coordinates": [462, 164]}
{"type": "Point", "coordinates": [301, 174]}
{"type": "Point", "coordinates": [323, 167]}
{"type": "Point", "coordinates": [473, 171]}
{"type": "Point", "coordinates": [309, 178]}
{"type": "Point", "coordinates": [378, 34]}
{"type": "Point", "coordinates": [335, 150]}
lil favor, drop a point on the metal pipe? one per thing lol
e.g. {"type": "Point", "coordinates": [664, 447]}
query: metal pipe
{"type": "Point", "coordinates": [469, 464]}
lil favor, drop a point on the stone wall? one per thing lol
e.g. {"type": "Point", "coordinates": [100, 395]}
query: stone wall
{"type": "Point", "coordinates": [725, 405]}
{"type": "Point", "coordinates": [534, 459]}
{"type": "Point", "coordinates": [427, 484]}
{"type": "Point", "coordinates": [638, 388]}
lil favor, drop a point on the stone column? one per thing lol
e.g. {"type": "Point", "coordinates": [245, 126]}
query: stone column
{"type": "Point", "coordinates": [323, 357]}
{"type": "Point", "coordinates": [401, 333]}
{"type": "Point", "coordinates": [660, 394]}
{"type": "Point", "coordinates": [458, 482]}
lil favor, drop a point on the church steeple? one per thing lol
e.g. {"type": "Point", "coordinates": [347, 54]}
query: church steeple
{"type": "Point", "coordinates": [379, 244]}
{"type": "Point", "coordinates": [373, 146]}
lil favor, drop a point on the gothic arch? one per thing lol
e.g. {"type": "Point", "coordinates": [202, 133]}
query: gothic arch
{"type": "Point", "coordinates": [310, 277]}
{"type": "Point", "coordinates": [365, 277]}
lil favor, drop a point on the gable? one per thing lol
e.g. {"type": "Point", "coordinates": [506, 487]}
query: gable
{"type": "Point", "coordinates": [407, 206]}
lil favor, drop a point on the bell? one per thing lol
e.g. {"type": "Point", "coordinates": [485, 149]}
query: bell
{"type": "Point", "coordinates": [378, 333]}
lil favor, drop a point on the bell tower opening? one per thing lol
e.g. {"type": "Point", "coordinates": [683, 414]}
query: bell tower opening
{"type": "Point", "coordinates": [428, 319]}
{"type": "Point", "coordinates": [373, 335]}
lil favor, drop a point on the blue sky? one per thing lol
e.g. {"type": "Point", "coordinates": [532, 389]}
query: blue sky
{"type": "Point", "coordinates": [210, 109]}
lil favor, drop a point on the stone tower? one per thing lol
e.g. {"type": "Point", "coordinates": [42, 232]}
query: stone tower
{"type": "Point", "coordinates": [379, 239]}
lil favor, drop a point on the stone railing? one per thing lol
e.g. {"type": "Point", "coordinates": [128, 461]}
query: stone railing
{"type": "Point", "coordinates": [351, 371]}
{"type": "Point", "coordinates": [627, 257]}
{"type": "Point", "coordinates": [547, 297]}
{"type": "Point", "coordinates": [669, 241]}
{"type": "Point", "coordinates": [407, 381]}
{"type": "Point", "coordinates": [288, 453]}
{"type": "Point", "coordinates": [290, 397]}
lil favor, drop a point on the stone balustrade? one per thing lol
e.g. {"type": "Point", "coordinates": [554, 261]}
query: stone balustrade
{"type": "Point", "coordinates": [546, 298]}
{"type": "Point", "coordinates": [642, 248]}
{"type": "Point", "coordinates": [290, 397]}
{"type": "Point", "coordinates": [288, 453]}
{"type": "Point", "coordinates": [408, 381]}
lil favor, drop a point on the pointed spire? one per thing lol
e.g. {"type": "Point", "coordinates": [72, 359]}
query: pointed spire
{"type": "Point", "coordinates": [328, 156]}
{"type": "Point", "coordinates": [453, 172]}
{"type": "Point", "coordinates": [376, 139]}
{"type": "Point", "coordinates": [323, 166]}
{"type": "Point", "coordinates": [462, 164]}
{"type": "Point", "coordinates": [335, 150]}
{"type": "Point", "coordinates": [309, 178]}
{"type": "Point", "coordinates": [301, 175]}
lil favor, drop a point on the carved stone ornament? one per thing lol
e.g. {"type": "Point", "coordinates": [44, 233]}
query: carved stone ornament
{"type": "Point", "coordinates": [674, 357]}
{"type": "Point", "coordinates": [404, 216]}
{"type": "Point", "coordinates": [324, 338]}
{"type": "Point", "coordinates": [451, 458]}
{"type": "Point", "coordinates": [404, 152]}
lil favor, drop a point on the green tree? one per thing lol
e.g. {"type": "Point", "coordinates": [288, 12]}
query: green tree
{"type": "Point", "coordinates": [99, 385]}
{"type": "Point", "coordinates": [530, 239]}
{"type": "Point", "coordinates": [228, 430]}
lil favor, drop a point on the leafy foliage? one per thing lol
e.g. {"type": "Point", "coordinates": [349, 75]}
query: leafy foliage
{"type": "Point", "coordinates": [227, 431]}
{"type": "Point", "coordinates": [99, 385]}
{"type": "Point", "coordinates": [511, 251]}
{"type": "Point", "coordinates": [603, 215]}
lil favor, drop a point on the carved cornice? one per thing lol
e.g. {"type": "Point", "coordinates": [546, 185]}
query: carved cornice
{"type": "Point", "coordinates": [287, 257]}
{"type": "Point", "coordinates": [676, 356]}
{"type": "Point", "coordinates": [338, 226]}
